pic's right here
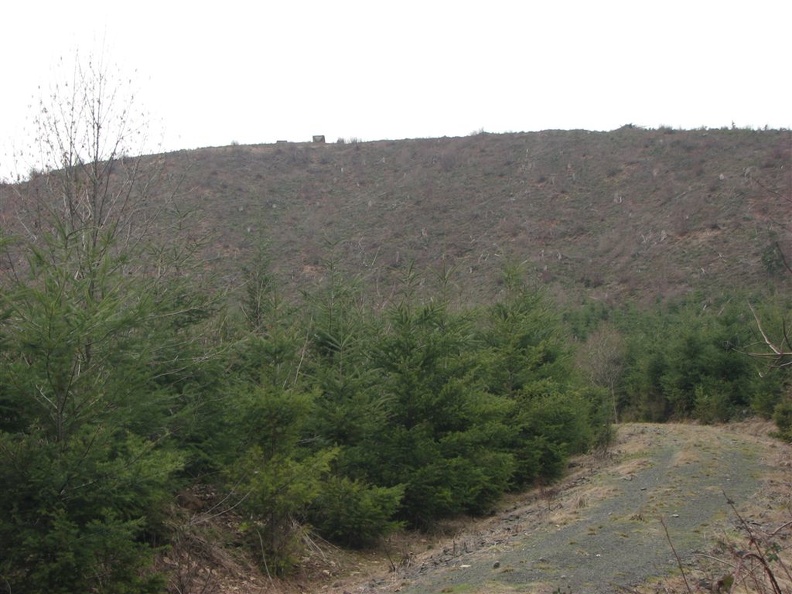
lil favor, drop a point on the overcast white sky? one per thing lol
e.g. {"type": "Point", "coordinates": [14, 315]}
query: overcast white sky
{"type": "Point", "coordinates": [251, 72]}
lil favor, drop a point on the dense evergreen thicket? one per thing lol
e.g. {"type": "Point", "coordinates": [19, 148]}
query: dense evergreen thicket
{"type": "Point", "coordinates": [327, 414]}
{"type": "Point", "coordinates": [355, 420]}
{"type": "Point", "coordinates": [696, 358]}
{"type": "Point", "coordinates": [688, 366]}
{"type": "Point", "coordinates": [119, 386]}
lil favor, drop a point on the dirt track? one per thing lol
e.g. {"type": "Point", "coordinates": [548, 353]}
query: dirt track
{"type": "Point", "coordinates": [601, 529]}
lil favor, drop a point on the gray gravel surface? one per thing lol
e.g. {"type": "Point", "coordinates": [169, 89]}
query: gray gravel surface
{"type": "Point", "coordinates": [603, 529]}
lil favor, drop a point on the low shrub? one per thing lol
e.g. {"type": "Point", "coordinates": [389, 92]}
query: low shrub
{"type": "Point", "coordinates": [354, 514]}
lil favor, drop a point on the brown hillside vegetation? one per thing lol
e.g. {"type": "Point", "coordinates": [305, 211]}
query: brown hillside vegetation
{"type": "Point", "coordinates": [628, 213]}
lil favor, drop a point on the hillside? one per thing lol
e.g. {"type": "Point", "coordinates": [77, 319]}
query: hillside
{"type": "Point", "coordinates": [138, 412]}
{"type": "Point", "coordinates": [629, 213]}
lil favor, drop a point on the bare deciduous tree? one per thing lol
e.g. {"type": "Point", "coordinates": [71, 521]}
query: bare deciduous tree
{"type": "Point", "coordinates": [601, 360]}
{"type": "Point", "coordinates": [87, 256]}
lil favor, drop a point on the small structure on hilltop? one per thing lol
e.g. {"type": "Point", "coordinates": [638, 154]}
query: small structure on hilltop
{"type": "Point", "coordinates": [319, 138]}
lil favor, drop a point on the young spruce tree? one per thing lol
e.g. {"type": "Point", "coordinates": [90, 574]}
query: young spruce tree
{"type": "Point", "coordinates": [98, 327]}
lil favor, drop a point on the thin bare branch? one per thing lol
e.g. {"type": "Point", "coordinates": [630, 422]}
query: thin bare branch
{"type": "Point", "coordinates": [676, 556]}
{"type": "Point", "coordinates": [769, 343]}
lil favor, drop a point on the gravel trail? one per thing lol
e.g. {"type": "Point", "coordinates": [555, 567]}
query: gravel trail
{"type": "Point", "coordinates": [603, 528]}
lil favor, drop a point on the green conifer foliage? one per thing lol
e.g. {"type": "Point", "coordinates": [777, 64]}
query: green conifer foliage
{"type": "Point", "coordinates": [101, 331]}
